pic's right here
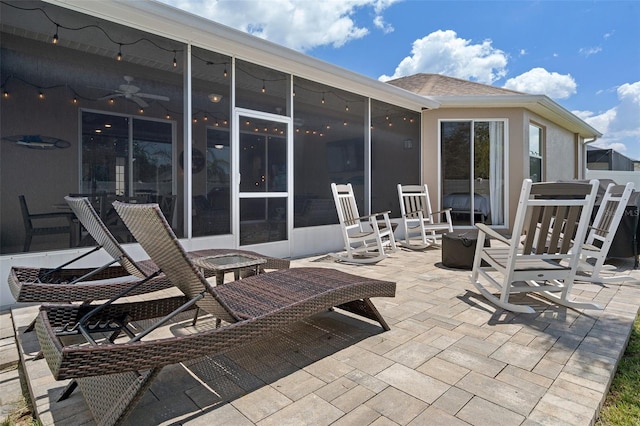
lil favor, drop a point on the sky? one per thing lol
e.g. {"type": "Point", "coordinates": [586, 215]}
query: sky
{"type": "Point", "coordinates": [585, 55]}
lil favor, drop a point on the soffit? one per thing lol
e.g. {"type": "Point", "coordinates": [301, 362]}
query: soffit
{"type": "Point", "coordinates": [539, 104]}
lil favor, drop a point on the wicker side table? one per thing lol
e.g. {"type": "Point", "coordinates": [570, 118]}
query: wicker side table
{"type": "Point", "coordinates": [230, 262]}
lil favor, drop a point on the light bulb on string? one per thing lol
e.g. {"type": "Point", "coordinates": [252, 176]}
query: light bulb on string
{"type": "Point", "coordinates": [225, 71]}
{"type": "Point", "coordinates": [41, 95]}
{"type": "Point", "coordinates": [54, 39]}
{"type": "Point", "coordinates": [264, 89]}
{"type": "Point", "coordinates": [119, 55]}
{"type": "Point", "coordinates": [175, 61]}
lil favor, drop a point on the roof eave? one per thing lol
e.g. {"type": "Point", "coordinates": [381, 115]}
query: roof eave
{"type": "Point", "coordinates": [167, 21]}
{"type": "Point", "coordinates": [540, 104]}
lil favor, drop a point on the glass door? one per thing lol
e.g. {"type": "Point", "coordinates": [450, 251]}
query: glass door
{"type": "Point", "coordinates": [264, 186]}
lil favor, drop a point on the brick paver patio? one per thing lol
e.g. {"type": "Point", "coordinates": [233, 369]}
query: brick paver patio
{"type": "Point", "coordinates": [450, 358]}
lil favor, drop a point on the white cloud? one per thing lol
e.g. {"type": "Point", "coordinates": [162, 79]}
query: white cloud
{"type": "Point", "coordinates": [588, 51]}
{"type": "Point", "coordinates": [539, 81]}
{"type": "Point", "coordinates": [300, 25]}
{"type": "Point", "coordinates": [443, 52]}
{"type": "Point", "coordinates": [619, 125]}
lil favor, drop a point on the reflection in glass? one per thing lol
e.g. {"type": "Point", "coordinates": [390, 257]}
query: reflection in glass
{"type": "Point", "coordinates": [329, 137]}
{"type": "Point", "coordinates": [395, 140]}
{"type": "Point", "coordinates": [473, 190]}
{"type": "Point", "coordinates": [263, 156]}
{"type": "Point", "coordinates": [263, 220]}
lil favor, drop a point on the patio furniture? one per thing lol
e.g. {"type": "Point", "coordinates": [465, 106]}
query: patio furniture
{"type": "Point", "coordinates": [365, 237]}
{"type": "Point", "coordinates": [601, 234]}
{"type": "Point", "coordinates": [539, 256]}
{"type": "Point", "coordinates": [38, 224]}
{"type": "Point", "coordinates": [459, 248]}
{"type": "Point", "coordinates": [113, 365]}
{"type": "Point", "coordinates": [65, 284]}
{"type": "Point", "coordinates": [421, 224]}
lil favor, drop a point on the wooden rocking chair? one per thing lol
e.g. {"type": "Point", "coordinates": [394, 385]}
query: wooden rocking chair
{"type": "Point", "coordinates": [541, 255]}
{"type": "Point", "coordinates": [421, 229]}
{"type": "Point", "coordinates": [596, 247]}
{"type": "Point", "coordinates": [365, 237]}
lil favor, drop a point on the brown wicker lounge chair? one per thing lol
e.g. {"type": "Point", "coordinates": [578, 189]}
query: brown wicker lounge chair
{"type": "Point", "coordinates": [65, 284]}
{"type": "Point", "coordinates": [113, 376]}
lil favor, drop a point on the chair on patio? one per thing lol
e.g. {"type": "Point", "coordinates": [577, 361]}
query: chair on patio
{"type": "Point", "coordinates": [116, 351]}
{"type": "Point", "coordinates": [66, 284]}
{"type": "Point", "coordinates": [36, 224]}
{"type": "Point", "coordinates": [367, 239]}
{"type": "Point", "coordinates": [600, 235]}
{"type": "Point", "coordinates": [422, 226]}
{"type": "Point", "coordinates": [539, 256]}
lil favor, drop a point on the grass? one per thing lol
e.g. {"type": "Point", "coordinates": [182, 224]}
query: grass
{"type": "Point", "coordinates": [622, 405]}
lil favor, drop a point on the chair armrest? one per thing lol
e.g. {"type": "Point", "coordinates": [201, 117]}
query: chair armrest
{"type": "Point", "coordinates": [448, 209]}
{"type": "Point", "coordinates": [491, 233]}
{"type": "Point", "coordinates": [374, 215]}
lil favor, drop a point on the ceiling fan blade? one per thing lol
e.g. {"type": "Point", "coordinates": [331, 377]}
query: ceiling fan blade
{"type": "Point", "coordinates": [139, 101]}
{"type": "Point", "coordinates": [113, 95]}
{"type": "Point", "coordinates": [152, 96]}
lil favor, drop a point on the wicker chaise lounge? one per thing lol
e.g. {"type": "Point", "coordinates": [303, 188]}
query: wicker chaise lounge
{"type": "Point", "coordinates": [66, 284]}
{"type": "Point", "coordinates": [113, 372]}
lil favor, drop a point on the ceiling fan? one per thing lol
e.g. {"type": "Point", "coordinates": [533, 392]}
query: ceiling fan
{"type": "Point", "coordinates": [131, 92]}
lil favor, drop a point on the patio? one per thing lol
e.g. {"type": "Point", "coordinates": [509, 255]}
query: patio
{"type": "Point", "coordinates": [450, 358]}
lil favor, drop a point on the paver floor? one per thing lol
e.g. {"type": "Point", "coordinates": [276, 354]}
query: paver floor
{"type": "Point", "coordinates": [450, 358]}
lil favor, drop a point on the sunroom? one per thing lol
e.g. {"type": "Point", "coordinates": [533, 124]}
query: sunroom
{"type": "Point", "coordinates": [112, 99]}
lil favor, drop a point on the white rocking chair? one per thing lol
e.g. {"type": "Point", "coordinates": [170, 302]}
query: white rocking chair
{"type": "Point", "coordinates": [421, 229]}
{"type": "Point", "coordinates": [540, 256]}
{"type": "Point", "coordinates": [367, 239]}
{"type": "Point", "coordinates": [596, 247]}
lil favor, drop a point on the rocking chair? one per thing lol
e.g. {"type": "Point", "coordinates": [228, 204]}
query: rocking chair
{"type": "Point", "coordinates": [365, 237]}
{"type": "Point", "coordinates": [540, 256]}
{"type": "Point", "coordinates": [596, 247]}
{"type": "Point", "coordinates": [420, 225]}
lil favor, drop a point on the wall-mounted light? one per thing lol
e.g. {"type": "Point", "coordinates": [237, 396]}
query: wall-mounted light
{"type": "Point", "coordinates": [215, 98]}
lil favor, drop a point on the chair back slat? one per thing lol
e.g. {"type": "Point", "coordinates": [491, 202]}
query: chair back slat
{"type": "Point", "coordinates": [149, 227]}
{"type": "Point", "coordinates": [610, 213]}
{"type": "Point", "coordinates": [87, 215]}
{"type": "Point", "coordinates": [555, 214]}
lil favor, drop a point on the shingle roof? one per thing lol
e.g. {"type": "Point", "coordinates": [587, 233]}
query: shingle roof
{"type": "Point", "coordinates": [442, 85]}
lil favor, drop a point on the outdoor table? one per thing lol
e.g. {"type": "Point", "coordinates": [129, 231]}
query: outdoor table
{"type": "Point", "coordinates": [229, 262]}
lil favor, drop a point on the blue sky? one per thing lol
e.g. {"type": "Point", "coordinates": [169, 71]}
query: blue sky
{"type": "Point", "coordinates": [585, 55]}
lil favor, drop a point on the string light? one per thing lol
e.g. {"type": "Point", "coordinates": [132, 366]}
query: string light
{"type": "Point", "coordinates": [175, 60]}
{"type": "Point", "coordinates": [225, 72]}
{"type": "Point", "coordinates": [54, 40]}
{"type": "Point", "coordinates": [141, 110]}
{"type": "Point", "coordinates": [5, 94]}
{"type": "Point", "coordinates": [119, 55]}
{"type": "Point", "coordinates": [264, 89]}
{"type": "Point", "coordinates": [41, 95]}
{"type": "Point", "coordinates": [322, 100]}
{"type": "Point", "coordinates": [74, 100]}
{"type": "Point", "coordinates": [346, 106]}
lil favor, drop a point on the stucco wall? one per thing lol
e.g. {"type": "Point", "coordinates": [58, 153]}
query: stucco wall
{"type": "Point", "coordinates": [560, 160]}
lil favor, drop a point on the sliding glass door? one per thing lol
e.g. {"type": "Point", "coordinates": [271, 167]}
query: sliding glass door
{"type": "Point", "coordinates": [473, 171]}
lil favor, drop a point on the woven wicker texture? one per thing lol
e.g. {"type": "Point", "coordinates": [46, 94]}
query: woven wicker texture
{"type": "Point", "coordinates": [114, 376]}
{"type": "Point", "coordinates": [29, 284]}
